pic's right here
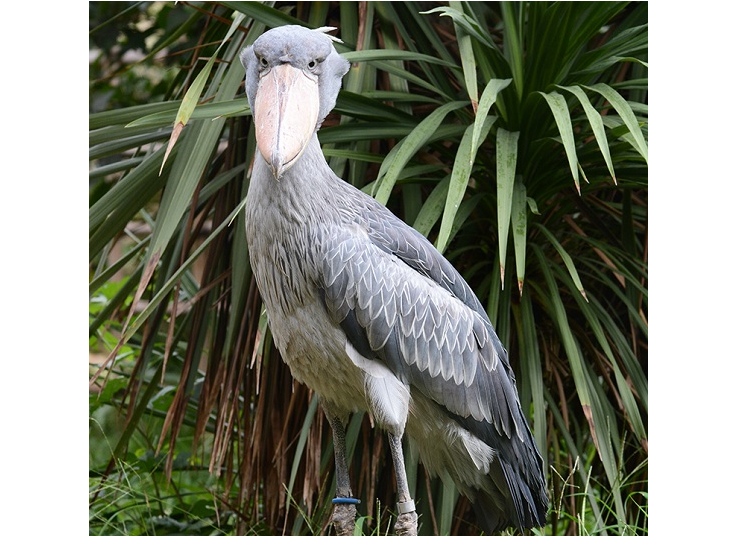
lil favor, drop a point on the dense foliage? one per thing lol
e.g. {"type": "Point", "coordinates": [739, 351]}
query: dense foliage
{"type": "Point", "coordinates": [512, 134]}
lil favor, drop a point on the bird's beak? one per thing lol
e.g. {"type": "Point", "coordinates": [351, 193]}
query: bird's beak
{"type": "Point", "coordinates": [286, 114]}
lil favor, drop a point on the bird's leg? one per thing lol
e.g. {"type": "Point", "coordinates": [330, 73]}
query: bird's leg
{"type": "Point", "coordinates": [406, 523]}
{"type": "Point", "coordinates": [343, 514]}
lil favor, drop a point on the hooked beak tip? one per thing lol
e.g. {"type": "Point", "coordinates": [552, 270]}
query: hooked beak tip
{"type": "Point", "coordinates": [277, 165]}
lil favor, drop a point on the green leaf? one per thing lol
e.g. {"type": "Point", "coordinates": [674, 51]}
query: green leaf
{"type": "Point", "coordinates": [447, 505]}
{"type": "Point", "coordinates": [401, 154]}
{"type": "Point", "coordinates": [188, 105]}
{"type": "Point", "coordinates": [432, 208]}
{"type": "Point", "coordinates": [303, 435]}
{"type": "Point", "coordinates": [560, 111]}
{"type": "Point", "coordinates": [110, 118]}
{"type": "Point", "coordinates": [124, 143]}
{"type": "Point", "coordinates": [464, 211]}
{"type": "Point", "coordinates": [265, 14]}
{"type": "Point", "coordinates": [168, 286]}
{"type": "Point", "coordinates": [519, 225]}
{"type": "Point", "coordinates": [397, 96]}
{"type": "Point", "coordinates": [597, 126]}
{"type": "Point", "coordinates": [506, 151]}
{"type": "Point", "coordinates": [513, 48]}
{"type": "Point", "coordinates": [531, 365]}
{"type": "Point", "coordinates": [469, 25]}
{"type": "Point", "coordinates": [566, 259]}
{"type": "Point", "coordinates": [462, 167]}
{"type": "Point", "coordinates": [384, 54]}
{"type": "Point", "coordinates": [489, 95]}
{"type": "Point", "coordinates": [468, 64]}
{"type": "Point", "coordinates": [389, 67]}
{"type": "Point", "coordinates": [354, 105]}
{"type": "Point", "coordinates": [234, 108]}
{"type": "Point", "coordinates": [624, 110]}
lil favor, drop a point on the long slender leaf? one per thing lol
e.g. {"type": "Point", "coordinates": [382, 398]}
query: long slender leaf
{"type": "Point", "coordinates": [212, 110]}
{"type": "Point", "coordinates": [559, 109]}
{"type": "Point", "coordinates": [469, 25]}
{"type": "Point", "coordinates": [531, 363]}
{"type": "Point", "coordinates": [514, 43]}
{"type": "Point", "coordinates": [357, 56]}
{"type": "Point", "coordinates": [468, 63]}
{"type": "Point", "coordinates": [489, 95]}
{"type": "Point", "coordinates": [448, 497]}
{"type": "Point", "coordinates": [566, 259]}
{"type": "Point", "coordinates": [301, 442]}
{"type": "Point", "coordinates": [409, 147]}
{"type": "Point", "coordinates": [506, 151]}
{"type": "Point", "coordinates": [265, 14]}
{"type": "Point", "coordinates": [432, 208]}
{"type": "Point", "coordinates": [165, 290]}
{"type": "Point", "coordinates": [599, 425]}
{"type": "Point", "coordinates": [519, 224]}
{"type": "Point", "coordinates": [626, 113]}
{"type": "Point", "coordinates": [460, 178]}
{"type": "Point", "coordinates": [597, 126]}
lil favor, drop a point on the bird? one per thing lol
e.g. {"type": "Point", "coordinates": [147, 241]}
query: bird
{"type": "Point", "coordinates": [367, 313]}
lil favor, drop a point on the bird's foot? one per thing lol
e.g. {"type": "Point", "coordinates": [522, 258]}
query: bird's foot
{"type": "Point", "coordinates": [406, 524]}
{"type": "Point", "coordinates": [343, 519]}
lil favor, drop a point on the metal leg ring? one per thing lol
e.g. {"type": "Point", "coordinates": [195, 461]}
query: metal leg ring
{"type": "Point", "coordinates": [406, 507]}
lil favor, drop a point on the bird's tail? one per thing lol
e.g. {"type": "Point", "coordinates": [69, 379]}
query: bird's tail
{"type": "Point", "coordinates": [502, 477]}
{"type": "Point", "coordinates": [506, 500]}
{"type": "Point", "coordinates": [513, 492]}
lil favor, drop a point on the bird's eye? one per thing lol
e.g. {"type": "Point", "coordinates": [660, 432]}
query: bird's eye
{"type": "Point", "coordinates": [312, 64]}
{"type": "Point", "coordinates": [263, 62]}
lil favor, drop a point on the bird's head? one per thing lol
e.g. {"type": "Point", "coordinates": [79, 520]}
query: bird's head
{"type": "Point", "coordinates": [293, 76]}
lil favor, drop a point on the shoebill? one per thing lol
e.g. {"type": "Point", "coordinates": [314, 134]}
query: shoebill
{"type": "Point", "coordinates": [367, 313]}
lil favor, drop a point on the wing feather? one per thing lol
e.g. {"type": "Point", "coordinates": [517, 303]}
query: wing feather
{"type": "Point", "coordinates": [394, 311]}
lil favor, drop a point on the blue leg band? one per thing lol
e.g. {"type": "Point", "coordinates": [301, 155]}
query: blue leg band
{"type": "Point", "coordinates": [345, 500]}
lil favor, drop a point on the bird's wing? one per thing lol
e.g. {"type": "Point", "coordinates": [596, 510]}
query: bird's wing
{"type": "Point", "coordinates": [398, 300]}
{"type": "Point", "coordinates": [395, 237]}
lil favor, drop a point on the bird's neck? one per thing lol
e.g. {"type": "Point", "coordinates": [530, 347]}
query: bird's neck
{"type": "Point", "coordinates": [312, 165]}
{"type": "Point", "coordinates": [307, 190]}
{"type": "Point", "coordinates": [309, 176]}
{"type": "Point", "coordinates": [285, 220]}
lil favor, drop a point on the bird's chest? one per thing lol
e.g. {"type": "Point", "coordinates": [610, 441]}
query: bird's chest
{"type": "Point", "coordinates": [283, 277]}
{"type": "Point", "coordinates": [284, 256]}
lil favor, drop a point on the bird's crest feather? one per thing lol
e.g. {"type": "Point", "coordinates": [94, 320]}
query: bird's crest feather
{"type": "Point", "coordinates": [325, 29]}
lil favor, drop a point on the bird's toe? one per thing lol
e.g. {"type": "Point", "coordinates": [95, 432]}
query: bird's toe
{"type": "Point", "coordinates": [406, 524]}
{"type": "Point", "coordinates": [343, 519]}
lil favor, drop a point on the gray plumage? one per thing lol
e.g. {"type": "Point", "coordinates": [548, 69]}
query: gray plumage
{"type": "Point", "coordinates": [371, 316]}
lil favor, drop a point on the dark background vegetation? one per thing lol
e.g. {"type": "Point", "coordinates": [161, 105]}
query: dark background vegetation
{"type": "Point", "coordinates": [199, 427]}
